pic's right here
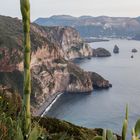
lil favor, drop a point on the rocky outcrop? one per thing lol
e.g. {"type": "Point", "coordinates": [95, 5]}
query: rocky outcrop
{"type": "Point", "coordinates": [98, 81]}
{"type": "Point", "coordinates": [70, 42]}
{"type": "Point", "coordinates": [134, 50]}
{"type": "Point", "coordinates": [101, 52]}
{"type": "Point", "coordinates": [79, 80]}
{"type": "Point", "coordinates": [51, 71]}
{"type": "Point", "coordinates": [116, 49]}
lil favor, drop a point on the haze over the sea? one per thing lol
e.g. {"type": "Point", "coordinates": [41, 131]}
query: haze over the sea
{"type": "Point", "coordinates": [47, 8]}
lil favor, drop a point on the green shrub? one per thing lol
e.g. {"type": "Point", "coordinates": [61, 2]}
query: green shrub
{"type": "Point", "coordinates": [12, 129]}
{"type": "Point", "coordinates": [10, 103]}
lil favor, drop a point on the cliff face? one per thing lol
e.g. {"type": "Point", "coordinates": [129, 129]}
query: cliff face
{"type": "Point", "coordinates": [70, 42]}
{"type": "Point", "coordinates": [80, 80]}
{"type": "Point", "coordinates": [51, 72]}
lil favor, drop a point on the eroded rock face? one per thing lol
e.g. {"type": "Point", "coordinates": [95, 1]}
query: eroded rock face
{"type": "Point", "coordinates": [50, 70]}
{"type": "Point", "coordinates": [98, 81]}
{"type": "Point", "coordinates": [70, 42]}
{"type": "Point", "coordinates": [79, 80]}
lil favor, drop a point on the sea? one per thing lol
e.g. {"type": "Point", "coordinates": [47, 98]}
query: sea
{"type": "Point", "coordinates": [106, 108]}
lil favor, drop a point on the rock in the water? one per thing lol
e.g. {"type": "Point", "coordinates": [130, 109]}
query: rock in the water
{"type": "Point", "coordinates": [134, 50]}
{"type": "Point", "coordinates": [101, 52]}
{"type": "Point", "coordinates": [116, 49]}
{"type": "Point", "coordinates": [98, 81]}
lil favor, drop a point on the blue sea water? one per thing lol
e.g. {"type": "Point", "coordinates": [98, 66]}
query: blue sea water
{"type": "Point", "coordinates": [106, 108]}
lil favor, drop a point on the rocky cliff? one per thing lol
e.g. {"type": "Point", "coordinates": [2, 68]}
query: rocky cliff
{"type": "Point", "coordinates": [52, 73]}
{"type": "Point", "coordinates": [70, 42]}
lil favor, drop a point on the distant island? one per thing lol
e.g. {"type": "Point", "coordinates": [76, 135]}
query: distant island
{"type": "Point", "coordinates": [102, 26]}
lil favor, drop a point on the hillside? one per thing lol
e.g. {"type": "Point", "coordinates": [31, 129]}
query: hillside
{"type": "Point", "coordinates": [102, 26]}
{"type": "Point", "coordinates": [52, 72]}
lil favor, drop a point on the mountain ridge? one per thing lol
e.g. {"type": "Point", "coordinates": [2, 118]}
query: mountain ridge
{"type": "Point", "coordinates": [101, 26]}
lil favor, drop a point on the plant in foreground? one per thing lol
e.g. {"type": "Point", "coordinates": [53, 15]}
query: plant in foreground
{"type": "Point", "coordinates": [12, 130]}
{"type": "Point", "coordinates": [108, 135]}
{"type": "Point", "coordinates": [25, 11]}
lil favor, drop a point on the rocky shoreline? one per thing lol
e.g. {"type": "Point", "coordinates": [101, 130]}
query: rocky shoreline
{"type": "Point", "coordinates": [51, 69]}
{"type": "Point", "coordinates": [47, 105]}
{"type": "Point", "coordinates": [98, 82]}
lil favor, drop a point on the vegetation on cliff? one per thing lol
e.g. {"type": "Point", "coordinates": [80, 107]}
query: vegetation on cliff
{"type": "Point", "coordinates": [51, 128]}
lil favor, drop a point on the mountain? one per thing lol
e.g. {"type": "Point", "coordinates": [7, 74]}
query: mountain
{"type": "Point", "coordinates": [51, 68]}
{"type": "Point", "coordinates": [102, 26]}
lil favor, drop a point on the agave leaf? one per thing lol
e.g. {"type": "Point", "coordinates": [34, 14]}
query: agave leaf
{"type": "Point", "coordinates": [133, 132]}
{"type": "Point", "coordinates": [104, 134]}
{"type": "Point", "coordinates": [35, 133]}
{"type": "Point", "coordinates": [19, 135]}
{"type": "Point", "coordinates": [98, 138]}
{"type": "Point", "coordinates": [124, 129]}
{"type": "Point", "coordinates": [137, 127]}
{"type": "Point", "coordinates": [134, 138]}
{"type": "Point", "coordinates": [3, 117]}
{"type": "Point", "coordinates": [126, 113]}
{"type": "Point", "coordinates": [9, 122]}
{"type": "Point", "coordinates": [109, 134]}
{"type": "Point", "coordinates": [114, 137]}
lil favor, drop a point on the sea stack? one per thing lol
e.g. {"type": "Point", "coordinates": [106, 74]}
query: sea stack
{"type": "Point", "coordinates": [116, 49]}
{"type": "Point", "coordinates": [134, 50]}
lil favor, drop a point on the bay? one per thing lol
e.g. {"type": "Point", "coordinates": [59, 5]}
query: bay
{"type": "Point", "coordinates": [106, 108]}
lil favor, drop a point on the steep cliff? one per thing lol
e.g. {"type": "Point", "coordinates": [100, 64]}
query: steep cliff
{"type": "Point", "coordinates": [51, 72]}
{"type": "Point", "coordinates": [70, 42]}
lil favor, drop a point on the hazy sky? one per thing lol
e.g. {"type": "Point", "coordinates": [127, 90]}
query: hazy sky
{"type": "Point", "coordinates": [46, 8]}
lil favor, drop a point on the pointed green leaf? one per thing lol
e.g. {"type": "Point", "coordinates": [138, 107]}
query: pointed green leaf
{"type": "Point", "coordinates": [124, 129]}
{"type": "Point", "coordinates": [126, 114]}
{"type": "Point", "coordinates": [114, 137]}
{"type": "Point", "coordinates": [137, 127]}
{"type": "Point", "coordinates": [19, 135]}
{"type": "Point", "coordinates": [35, 133]}
{"type": "Point", "coordinates": [9, 122]}
{"type": "Point", "coordinates": [98, 138]}
{"type": "Point", "coordinates": [104, 134]}
{"type": "Point", "coordinates": [109, 134]}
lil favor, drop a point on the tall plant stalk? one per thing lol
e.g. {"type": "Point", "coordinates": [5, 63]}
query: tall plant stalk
{"type": "Point", "coordinates": [25, 11]}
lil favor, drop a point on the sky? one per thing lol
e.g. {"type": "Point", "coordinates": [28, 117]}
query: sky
{"type": "Point", "coordinates": [47, 8]}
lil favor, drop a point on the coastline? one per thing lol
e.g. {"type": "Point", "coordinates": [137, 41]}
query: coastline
{"type": "Point", "coordinates": [48, 104]}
